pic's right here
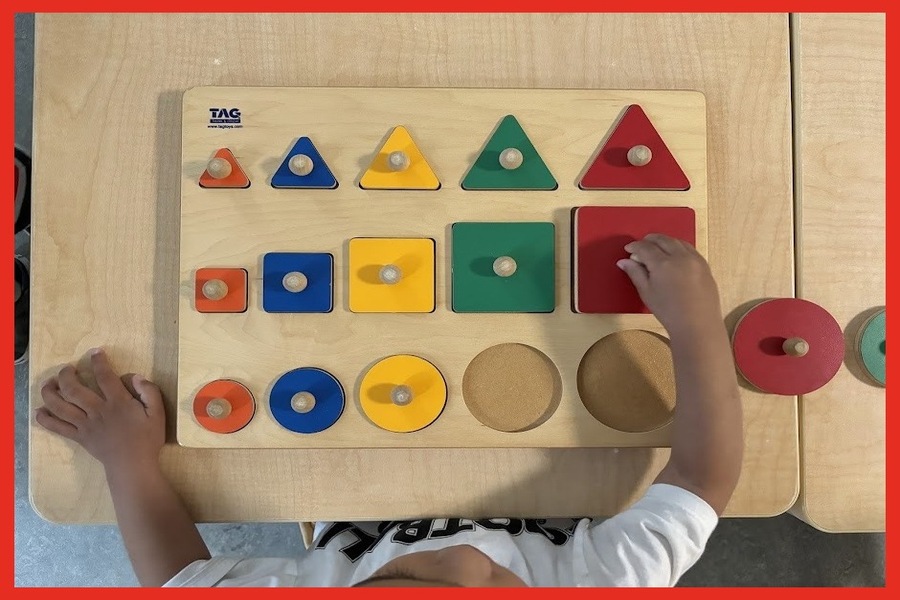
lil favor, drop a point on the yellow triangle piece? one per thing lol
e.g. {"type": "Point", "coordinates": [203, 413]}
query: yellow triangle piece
{"type": "Point", "coordinates": [399, 165]}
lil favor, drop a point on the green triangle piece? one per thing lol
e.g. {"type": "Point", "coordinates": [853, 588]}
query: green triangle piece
{"type": "Point", "coordinates": [487, 173]}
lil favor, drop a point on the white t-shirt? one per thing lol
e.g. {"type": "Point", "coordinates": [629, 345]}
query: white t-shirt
{"type": "Point", "coordinates": [652, 543]}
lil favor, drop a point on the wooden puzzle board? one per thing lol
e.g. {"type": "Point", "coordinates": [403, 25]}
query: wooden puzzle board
{"type": "Point", "coordinates": [235, 227]}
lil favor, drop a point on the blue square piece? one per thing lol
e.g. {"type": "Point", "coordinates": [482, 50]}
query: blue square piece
{"type": "Point", "coordinates": [297, 282]}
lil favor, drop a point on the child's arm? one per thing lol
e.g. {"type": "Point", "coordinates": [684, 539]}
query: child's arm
{"type": "Point", "coordinates": [126, 431]}
{"type": "Point", "coordinates": [675, 282]}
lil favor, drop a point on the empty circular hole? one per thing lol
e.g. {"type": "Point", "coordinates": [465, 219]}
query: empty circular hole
{"type": "Point", "coordinates": [627, 382]}
{"type": "Point", "coordinates": [512, 387]}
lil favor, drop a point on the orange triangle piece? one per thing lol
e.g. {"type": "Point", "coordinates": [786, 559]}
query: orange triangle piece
{"type": "Point", "coordinates": [224, 171]}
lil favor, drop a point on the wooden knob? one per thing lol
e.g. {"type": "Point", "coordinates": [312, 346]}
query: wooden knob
{"type": "Point", "coordinates": [303, 402]}
{"type": "Point", "coordinates": [639, 155]}
{"type": "Point", "coordinates": [398, 161]}
{"type": "Point", "coordinates": [218, 168]}
{"type": "Point", "coordinates": [294, 281]}
{"type": "Point", "coordinates": [218, 408]}
{"type": "Point", "coordinates": [214, 289]}
{"type": "Point", "coordinates": [390, 274]}
{"type": "Point", "coordinates": [300, 164]}
{"type": "Point", "coordinates": [511, 158]}
{"type": "Point", "coordinates": [401, 395]}
{"type": "Point", "coordinates": [505, 266]}
{"type": "Point", "coordinates": [795, 346]}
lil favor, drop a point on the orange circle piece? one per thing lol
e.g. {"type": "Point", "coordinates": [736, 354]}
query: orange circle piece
{"type": "Point", "coordinates": [243, 407]}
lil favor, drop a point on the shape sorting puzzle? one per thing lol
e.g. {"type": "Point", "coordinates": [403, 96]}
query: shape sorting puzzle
{"type": "Point", "coordinates": [347, 253]}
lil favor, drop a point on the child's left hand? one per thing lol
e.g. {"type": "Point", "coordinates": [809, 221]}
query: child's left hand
{"type": "Point", "coordinates": [116, 427]}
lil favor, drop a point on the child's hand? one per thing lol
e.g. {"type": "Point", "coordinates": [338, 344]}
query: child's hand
{"type": "Point", "coordinates": [117, 428]}
{"type": "Point", "coordinates": [675, 282]}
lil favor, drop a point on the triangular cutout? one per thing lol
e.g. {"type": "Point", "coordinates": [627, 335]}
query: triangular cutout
{"type": "Point", "coordinates": [399, 165]}
{"type": "Point", "coordinates": [509, 161]}
{"type": "Point", "coordinates": [304, 168]}
{"type": "Point", "coordinates": [227, 174]}
{"type": "Point", "coordinates": [615, 169]}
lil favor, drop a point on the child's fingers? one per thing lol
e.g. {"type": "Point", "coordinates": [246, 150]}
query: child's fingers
{"type": "Point", "coordinates": [48, 421]}
{"type": "Point", "coordinates": [149, 394]}
{"type": "Point", "coordinates": [669, 245]}
{"type": "Point", "coordinates": [60, 407]}
{"type": "Point", "coordinates": [646, 252]}
{"type": "Point", "coordinates": [636, 272]}
{"type": "Point", "coordinates": [71, 390]}
{"type": "Point", "coordinates": [106, 378]}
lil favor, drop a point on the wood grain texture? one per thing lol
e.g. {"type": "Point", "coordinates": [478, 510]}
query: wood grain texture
{"type": "Point", "coordinates": [236, 227]}
{"type": "Point", "coordinates": [841, 85]}
{"type": "Point", "coordinates": [108, 94]}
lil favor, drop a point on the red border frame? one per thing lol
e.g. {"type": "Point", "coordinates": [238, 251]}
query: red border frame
{"type": "Point", "coordinates": [6, 218]}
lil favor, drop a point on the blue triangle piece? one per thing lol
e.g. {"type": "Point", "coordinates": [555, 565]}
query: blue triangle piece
{"type": "Point", "coordinates": [319, 177]}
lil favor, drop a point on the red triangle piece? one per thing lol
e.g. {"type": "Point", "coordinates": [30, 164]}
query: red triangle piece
{"type": "Point", "coordinates": [611, 170]}
{"type": "Point", "coordinates": [236, 179]}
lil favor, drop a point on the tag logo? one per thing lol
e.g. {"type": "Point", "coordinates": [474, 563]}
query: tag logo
{"type": "Point", "coordinates": [224, 118]}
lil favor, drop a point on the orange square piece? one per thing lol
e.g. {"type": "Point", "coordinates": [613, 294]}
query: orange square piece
{"type": "Point", "coordinates": [220, 290]}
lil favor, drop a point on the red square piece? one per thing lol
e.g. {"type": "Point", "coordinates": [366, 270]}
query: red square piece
{"type": "Point", "coordinates": [600, 235]}
{"type": "Point", "coordinates": [233, 294]}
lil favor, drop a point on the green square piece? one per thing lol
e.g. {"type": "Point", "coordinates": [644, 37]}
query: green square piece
{"type": "Point", "coordinates": [478, 267]}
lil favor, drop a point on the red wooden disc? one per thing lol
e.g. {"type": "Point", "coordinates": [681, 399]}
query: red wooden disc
{"type": "Point", "coordinates": [239, 398]}
{"type": "Point", "coordinates": [758, 352]}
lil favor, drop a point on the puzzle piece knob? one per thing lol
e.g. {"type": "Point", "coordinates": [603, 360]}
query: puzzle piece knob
{"type": "Point", "coordinates": [795, 346]}
{"type": "Point", "coordinates": [390, 274]}
{"type": "Point", "coordinates": [294, 281]}
{"type": "Point", "coordinates": [505, 266]}
{"type": "Point", "coordinates": [218, 168]}
{"type": "Point", "coordinates": [639, 155]}
{"type": "Point", "coordinates": [215, 289]}
{"type": "Point", "coordinates": [511, 158]}
{"type": "Point", "coordinates": [398, 161]}
{"type": "Point", "coordinates": [300, 164]}
{"type": "Point", "coordinates": [218, 408]}
{"type": "Point", "coordinates": [303, 402]}
{"type": "Point", "coordinates": [401, 395]}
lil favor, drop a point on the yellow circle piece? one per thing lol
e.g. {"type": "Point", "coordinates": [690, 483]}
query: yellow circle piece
{"type": "Point", "coordinates": [425, 383]}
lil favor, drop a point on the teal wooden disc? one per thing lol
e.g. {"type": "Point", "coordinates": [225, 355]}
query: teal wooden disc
{"type": "Point", "coordinates": [871, 347]}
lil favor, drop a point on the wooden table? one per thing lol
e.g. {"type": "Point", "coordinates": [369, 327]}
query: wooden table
{"type": "Point", "coordinates": [841, 261]}
{"type": "Point", "coordinates": [105, 250]}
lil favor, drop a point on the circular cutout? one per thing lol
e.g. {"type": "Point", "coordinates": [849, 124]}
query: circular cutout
{"type": "Point", "coordinates": [403, 393]}
{"type": "Point", "coordinates": [512, 387]}
{"type": "Point", "coordinates": [224, 406]}
{"type": "Point", "coordinates": [870, 344]}
{"type": "Point", "coordinates": [306, 400]}
{"type": "Point", "coordinates": [761, 335]}
{"type": "Point", "coordinates": [627, 382]}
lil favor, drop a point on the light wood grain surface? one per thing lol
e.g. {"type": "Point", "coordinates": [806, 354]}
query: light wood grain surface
{"type": "Point", "coordinates": [840, 62]}
{"type": "Point", "coordinates": [236, 227]}
{"type": "Point", "coordinates": [105, 250]}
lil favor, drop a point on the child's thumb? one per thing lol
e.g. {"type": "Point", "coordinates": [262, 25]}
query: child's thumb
{"type": "Point", "coordinates": [148, 392]}
{"type": "Point", "coordinates": [636, 272]}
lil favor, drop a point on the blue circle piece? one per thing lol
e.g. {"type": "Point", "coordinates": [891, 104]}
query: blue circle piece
{"type": "Point", "coordinates": [325, 389]}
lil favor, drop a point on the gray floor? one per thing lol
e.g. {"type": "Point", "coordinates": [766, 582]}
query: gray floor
{"type": "Point", "coordinates": [760, 552]}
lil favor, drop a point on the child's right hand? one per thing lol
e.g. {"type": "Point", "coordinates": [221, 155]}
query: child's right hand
{"type": "Point", "coordinates": [675, 282]}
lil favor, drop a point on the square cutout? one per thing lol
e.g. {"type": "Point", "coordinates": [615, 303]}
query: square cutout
{"type": "Point", "coordinates": [391, 275]}
{"type": "Point", "coordinates": [484, 279]}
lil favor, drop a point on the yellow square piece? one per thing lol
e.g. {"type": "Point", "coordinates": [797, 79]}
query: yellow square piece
{"type": "Point", "coordinates": [391, 275]}
{"type": "Point", "coordinates": [399, 165]}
